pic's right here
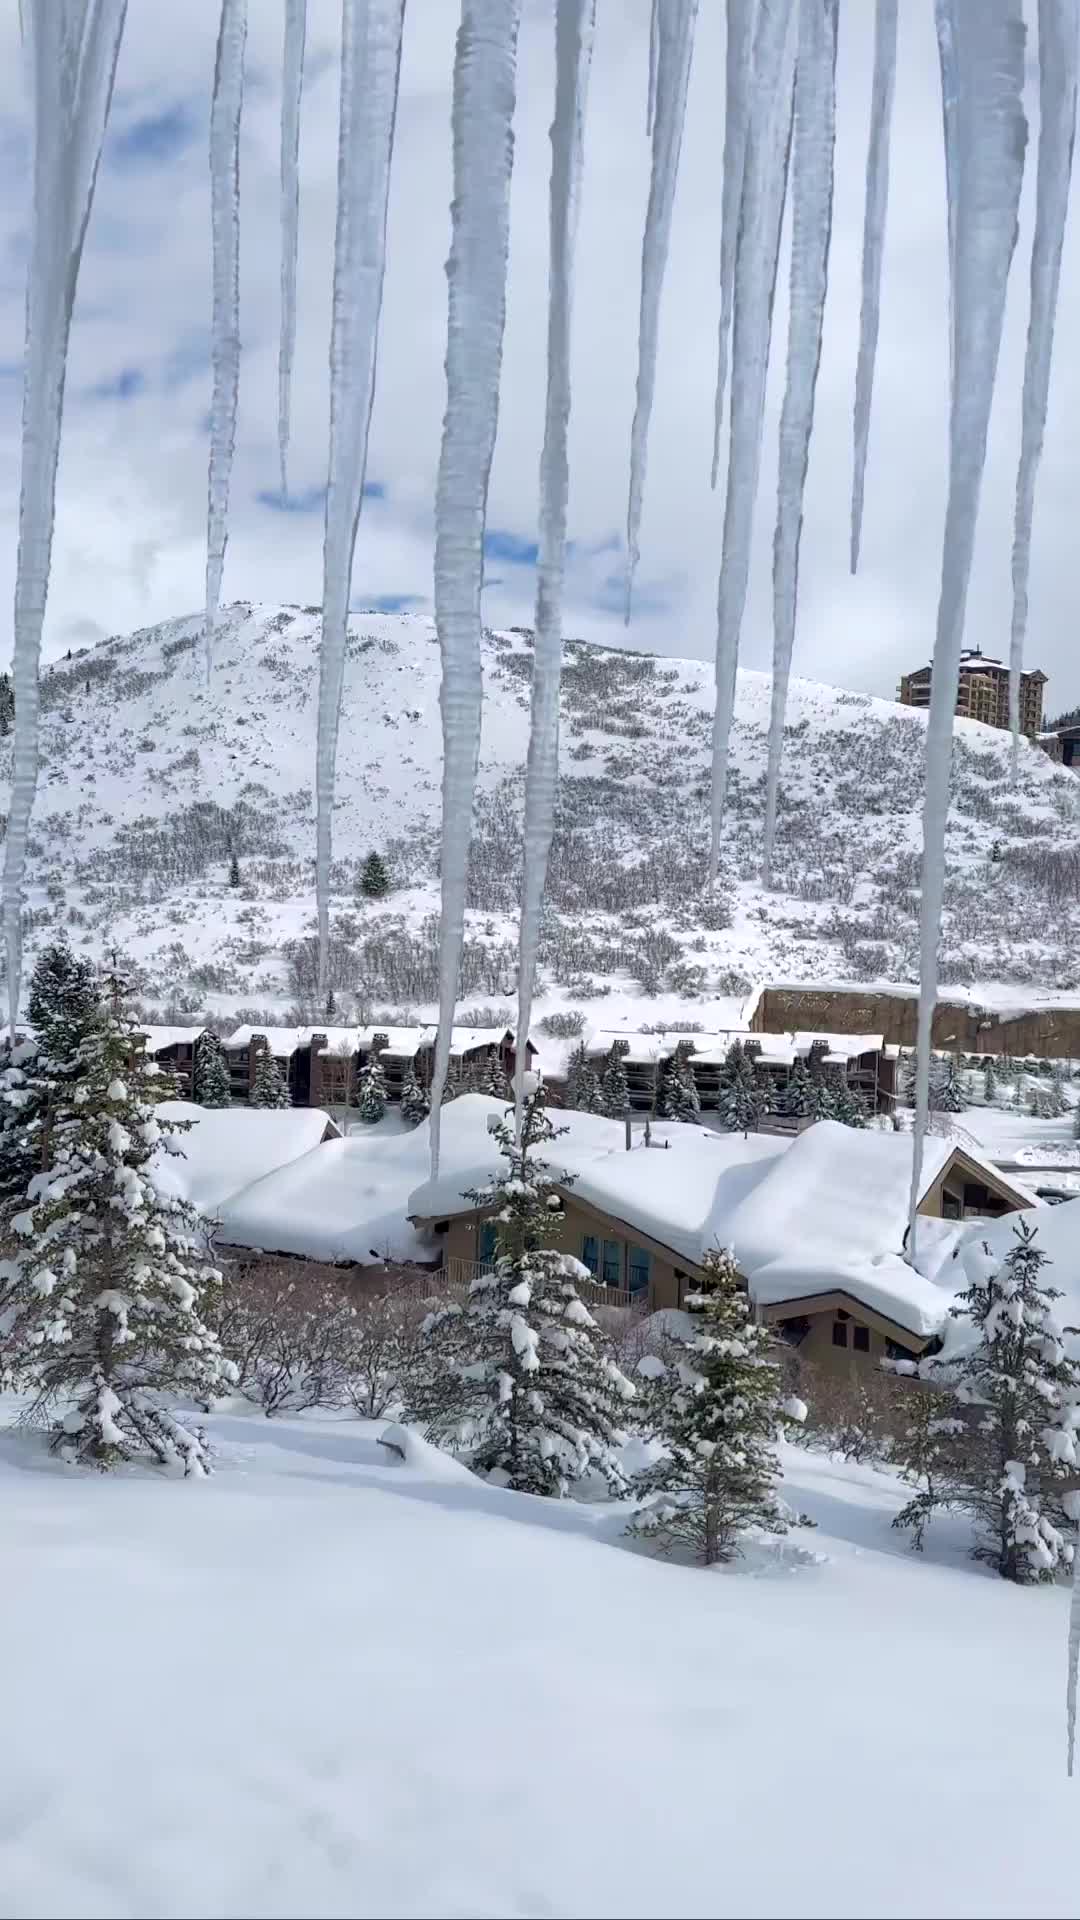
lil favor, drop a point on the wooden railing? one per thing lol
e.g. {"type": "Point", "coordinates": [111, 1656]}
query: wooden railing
{"type": "Point", "coordinates": [460, 1275]}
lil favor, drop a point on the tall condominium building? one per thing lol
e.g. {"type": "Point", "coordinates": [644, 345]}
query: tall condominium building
{"type": "Point", "coordinates": [983, 692]}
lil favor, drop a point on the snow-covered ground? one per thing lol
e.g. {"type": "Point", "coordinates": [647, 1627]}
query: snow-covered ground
{"type": "Point", "coordinates": [127, 848]}
{"type": "Point", "coordinates": [323, 1684]}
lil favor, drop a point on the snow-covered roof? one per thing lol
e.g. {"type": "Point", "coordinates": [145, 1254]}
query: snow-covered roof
{"type": "Point", "coordinates": [402, 1042]}
{"type": "Point", "coordinates": [349, 1199]}
{"type": "Point", "coordinates": [159, 1038]}
{"type": "Point", "coordinates": [226, 1148]}
{"type": "Point", "coordinates": [777, 1049]}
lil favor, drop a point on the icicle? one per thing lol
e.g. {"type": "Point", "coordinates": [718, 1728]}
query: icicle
{"type": "Point", "coordinates": [740, 48]}
{"type": "Point", "coordinates": [72, 63]}
{"type": "Point", "coordinates": [946, 39]}
{"type": "Point", "coordinates": [483, 112]}
{"type": "Point", "coordinates": [985, 175]}
{"type": "Point", "coordinates": [225, 318]}
{"type": "Point", "coordinates": [1058, 32]}
{"type": "Point", "coordinates": [292, 82]}
{"type": "Point", "coordinates": [764, 186]}
{"type": "Point", "coordinates": [877, 201]}
{"type": "Point", "coordinates": [574, 27]}
{"type": "Point", "coordinates": [370, 66]}
{"type": "Point", "coordinates": [811, 228]}
{"type": "Point", "coordinates": [650, 108]}
{"type": "Point", "coordinates": [675, 21]}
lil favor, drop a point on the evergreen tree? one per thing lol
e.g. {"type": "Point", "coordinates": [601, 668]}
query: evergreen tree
{"type": "Point", "coordinates": [1014, 1392]}
{"type": "Point", "coordinates": [211, 1085]}
{"type": "Point", "coordinates": [583, 1092]}
{"type": "Point", "coordinates": [269, 1088]}
{"type": "Point", "coordinates": [521, 1369]}
{"type": "Point", "coordinates": [234, 868]}
{"type": "Point", "coordinates": [848, 1105]}
{"type": "Point", "coordinates": [7, 705]}
{"type": "Point", "coordinates": [102, 1301]}
{"type": "Point", "coordinates": [1076, 1122]}
{"type": "Point", "coordinates": [374, 877]}
{"type": "Point", "coordinates": [718, 1414]}
{"type": "Point", "coordinates": [330, 1009]}
{"type": "Point", "coordinates": [797, 1098]}
{"type": "Point", "coordinates": [946, 1087]}
{"type": "Point", "coordinates": [614, 1091]}
{"type": "Point", "coordinates": [739, 1104]}
{"type": "Point", "coordinates": [990, 1085]}
{"type": "Point", "coordinates": [371, 1090]}
{"type": "Point", "coordinates": [494, 1080]}
{"type": "Point", "coordinates": [38, 1074]}
{"type": "Point", "coordinates": [679, 1092]}
{"type": "Point", "coordinates": [415, 1105]}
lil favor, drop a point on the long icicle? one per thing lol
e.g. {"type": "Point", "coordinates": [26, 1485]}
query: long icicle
{"type": "Point", "coordinates": [292, 84]}
{"type": "Point", "coordinates": [675, 21]}
{"type": "Point", "coordinates": [811, 230]}
{"type": "Point", "coordinates": [370, 68]}
{"type": "Point", "coordinates": [1059, 25]}
{"type": "Point", "coordinates": [946, 39]}
{"type": "Point", "coordinates": [876, 208]}
{"type": "Point", "coordinates": [739, 68]}
{"type": "Point", "coordinates": [1071, 1504]}
{"type": "Point", "coordinates": [225, 112]}
{"type": "Point", "coordinates": [986, 175]}
{"type": "Point", "coordinates": [650, 105]}
{"type": "Point", "coordinates": [574, 29]}
{"type": "Point", "coordinates": [72, 54]}
{"type": "Point", "coordinates": [764, 186]}
{"type": "Point", "coordinates": [483, 112]}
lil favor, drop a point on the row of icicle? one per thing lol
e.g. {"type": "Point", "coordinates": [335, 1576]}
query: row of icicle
{"type": "Point", "coordinates": [780, 90]}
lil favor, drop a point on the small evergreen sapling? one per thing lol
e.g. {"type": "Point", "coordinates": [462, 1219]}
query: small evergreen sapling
{"type": "Point", "coordinates": [678, 1088]}
{"type": "Point", "coordinates": [211, 1085]}
{"type": "Point", "coordinates": [102, 1303]}
{"type": "Point", "coordinates": [374, 877]}
{"type": "Point", "coordinates": [614, 1088]}
{"type": "Point", "coordinates": [269, 1087]}
{"type": "Point", "coordinates": [719, 1415]}
{"type": "Point", "coordinates": [990, 1084]}
{"type": "Point", "coordinates": [415, 1105]}
{"type": "Point", "coordinates": [739, 1105]}
{"type": "Point", "coordinates": [234, 868]}
{"type": "Point", "coordinates": [36, 1075]}
{"type": "Point", "coordinates": [519, 1373]}
{"type": "Point", "coordinates": [371, 1090]}
{"type": "Point", "coordinates": [797, 1098]}
{"type": "Point", "coordinates": [1015, 1396]}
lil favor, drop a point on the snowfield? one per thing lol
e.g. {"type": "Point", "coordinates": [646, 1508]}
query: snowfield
{"type": "Point", "coordinates": [327, 1684]}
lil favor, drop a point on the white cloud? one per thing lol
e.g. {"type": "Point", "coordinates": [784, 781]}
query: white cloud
{"type": "Point", "coordinates": [130, 526]}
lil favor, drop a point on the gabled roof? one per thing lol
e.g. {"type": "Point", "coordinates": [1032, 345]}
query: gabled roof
{"type": "Point", "coordinates": [225, 1148]}
{"type": "Point", "coordinates": [402, 1042]}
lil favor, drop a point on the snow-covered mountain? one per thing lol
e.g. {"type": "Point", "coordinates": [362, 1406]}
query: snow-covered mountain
{"type": "Point", "coordinates": [150, 781]}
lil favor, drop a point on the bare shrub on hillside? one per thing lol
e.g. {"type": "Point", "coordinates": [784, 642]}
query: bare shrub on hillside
{"type": "Point", "coordinates": [290, 1334]}
{"type": "Point", "coordinates": [857, 1412]}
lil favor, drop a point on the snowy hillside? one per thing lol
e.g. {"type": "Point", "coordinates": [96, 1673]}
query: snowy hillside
{"type": "Point", "coordinates": [149, 782]}
{"type": "Point", "coordinates": [378, 1689]}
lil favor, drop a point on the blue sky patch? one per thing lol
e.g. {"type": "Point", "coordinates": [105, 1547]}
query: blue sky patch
{"type": "Point", "coordinates": [155, 138]}
{"type": "Point", "coordinates": [509, 547]}
{"type": "Point", "coordinates": [390, 603]}
{"type": "Point", "coordinates": [125, 385]}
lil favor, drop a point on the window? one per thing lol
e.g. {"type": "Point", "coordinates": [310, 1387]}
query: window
{"type": "Point", "coordinates": [487, 1245]}
{"type": "Point", "coordinates": [952, 1207]}
{"type": "Point", "coordinates": [638, 1266]}
{"type": "Point", "coordinates": [839, 1333]}
{"type": "Point", "coordinates": [612, 1265]}
{"type": "Point", "coordinates": [590, 1253]}
{"type": "Point", "coordinates": [860, 1339]}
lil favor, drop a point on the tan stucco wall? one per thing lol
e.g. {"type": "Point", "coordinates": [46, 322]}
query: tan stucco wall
{"type": "Point", "coordinates": [1050, 1033]}
{"type": "Point", "coordinates": [817, 1348]}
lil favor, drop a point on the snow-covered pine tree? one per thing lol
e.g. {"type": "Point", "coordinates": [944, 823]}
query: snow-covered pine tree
{"type": "Point", "coordinates": [519, 1374]}
{"type": "Point", "coordinates": [494, 1080]}
{"type": "Point", "coordinates": [678, 1088]}
{"type": "Point", "coordinates": [1076, 1122]}
{"type": "Point", "coordinates": [102, 1301]}
{"type": "Point", "coordinates": [739, 1103]}
{"type": "Point", "coordinates": [269, 1087]}
{"type": "Point", "coordinates": [374, 877]}
{"type": "Point", "coordinates": [614, 1091]}
{"type": "Point", "coordinates": [371, 1090]}
{"type": "Point", "coordinates": [719, 1416]}
{"type": "Point", "coordinates": [415, 1105]}
{"type": "Point", "coordinates": [847, 1104]}
{"type": "Point", "coordinates": [947, 1093]}
{"type": "Point", "coordinates": [234, 868]}
{"type": "Point", "coordinates": [1015, 1390]}
{"type": "Point", "coordinates": [797, 1098]}
{"type": "Point", "coordinates": [211, 1085]}
{"type": "Point", "coordinates": [990, 1083]}
{"type": "Point", "coordinates": [36, 1074]}
{"type": "Point", "coordinates": [583, 1093]}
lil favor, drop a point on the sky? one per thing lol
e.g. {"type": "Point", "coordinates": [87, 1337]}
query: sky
{"type": "Point", "coordinates": [130, 530]}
